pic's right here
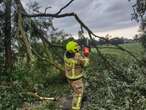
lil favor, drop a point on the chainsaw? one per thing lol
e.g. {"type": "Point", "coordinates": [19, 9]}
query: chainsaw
{"type": "Point", "coordinates": [86, 49]}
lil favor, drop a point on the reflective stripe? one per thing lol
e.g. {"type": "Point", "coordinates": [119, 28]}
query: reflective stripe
{"type": "Point", "coordinates": [75, 77]}
{"type": "Point", "coordinates": [71, 63]}
{"type": "Point", "coordinates": [75, 108]}
{"type": "Point", "coordinates": [69, 60]}
{"type": "Point", "coordinates": [79, 102]}
{"type": "Point", "coordinates": [73, 70]}
{"type": "Point", "coordinates": [77, 105]}
{"type": "Point", "coordinates": [67, 65]}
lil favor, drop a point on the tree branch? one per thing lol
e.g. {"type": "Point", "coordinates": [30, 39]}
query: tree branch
{"type": "Point", "coordinates": [57, 66]}
{"type": "Point", "coordinates": [24, 37]}
{"type": "Point", "coordinates": [5, 87]}
{"type": "Point", "coordinates": [65, 15]}
{"type": "Point", "coordinates": [56, 15]}
{"type": "Point", "coordinates": [64, 7]}
{"type": "Point", "coordinates": [82, 25]}
{"type": "Point", "coordinates": [38, 96]}
{"type": "Point", "coordinates": [47, 9]}
{"type": "Point", "coordinates": [22, 10]}
{"type": "Point", "coordinates": [43, 36]}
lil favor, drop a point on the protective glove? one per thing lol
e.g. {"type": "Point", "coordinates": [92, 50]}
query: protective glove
{"type": "Point", "coordinates": [86, 61]}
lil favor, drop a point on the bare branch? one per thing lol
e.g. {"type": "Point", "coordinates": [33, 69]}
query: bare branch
{"type": "Point", "coordinates": [38, 96]}
{"type": "Point", "coordinates": [47, 8]}
{"type": "Point", "coordinates": [43, 36]}
{"type": "Point", "coordinates": [57, 66]}
{"type": "Point", "coordinates": [22, 10]}
{"type": "Point", "coordinates": [65, 15]}
{"type": "Point", "coordinates": [64, 7]}
{"type": "Point", "coordinates": [5, 87]}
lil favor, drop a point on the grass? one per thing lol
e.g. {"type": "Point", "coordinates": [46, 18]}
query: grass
{"type": "Point", "coordinates": [135, 48]}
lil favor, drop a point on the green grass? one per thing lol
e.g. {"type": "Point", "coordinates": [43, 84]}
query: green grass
{"type": "Point", "coordinates": [135, 48]}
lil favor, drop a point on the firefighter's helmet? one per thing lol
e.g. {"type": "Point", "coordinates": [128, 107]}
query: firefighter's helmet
{"type": "Point", "coordinates": [72, 47]}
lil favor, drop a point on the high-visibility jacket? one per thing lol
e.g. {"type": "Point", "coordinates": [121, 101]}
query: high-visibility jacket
{"type": "Point", "coordinates": [74, 66]}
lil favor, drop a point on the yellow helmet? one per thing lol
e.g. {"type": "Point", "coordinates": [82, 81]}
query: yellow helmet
{"type": "Point", "coordinates": [72, 47]}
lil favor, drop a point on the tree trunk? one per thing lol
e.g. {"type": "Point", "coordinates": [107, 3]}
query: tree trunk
{"type": "Point", "coordinates": [7, 33]}
{"type": "Point", "coordinates": [143, 40]}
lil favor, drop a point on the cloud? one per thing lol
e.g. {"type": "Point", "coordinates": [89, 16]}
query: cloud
{"type": "Point", "coordinates": [99, 15]}
{"type": "Point", "coordinates": [124, 32]}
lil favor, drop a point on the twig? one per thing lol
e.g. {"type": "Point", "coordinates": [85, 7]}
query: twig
{"type": "Point", "coordinates": [47, 8]}
{"type": "Point", "coordinates": [44, 38]}
{"type": "Point", "coordinates": [64, 7]}
{"type": "Point", "coordinates": [5, 87]}
{"type": "Point", "coordinates": [38, 96]}
{"type": "Point", "coordinates": [45, 59]}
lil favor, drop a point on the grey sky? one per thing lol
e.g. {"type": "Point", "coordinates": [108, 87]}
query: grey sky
{"type": "Point", "coordinates": [99, 15]}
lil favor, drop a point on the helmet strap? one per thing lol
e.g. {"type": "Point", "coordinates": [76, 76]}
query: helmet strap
{"type": "Point", "coordinates": [69, 54]}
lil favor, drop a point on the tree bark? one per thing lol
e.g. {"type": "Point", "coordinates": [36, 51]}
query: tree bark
{"type": "Point", "coordinates": [8, 37]}
{"type": "Point", "coordinates": [144, 39]}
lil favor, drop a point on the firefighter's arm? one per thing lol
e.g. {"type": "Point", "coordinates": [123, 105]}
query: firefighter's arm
{"type": "Point", "coordinates": [86, 61]}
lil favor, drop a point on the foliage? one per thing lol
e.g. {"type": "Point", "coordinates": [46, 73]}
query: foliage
{"type": "Point", "coordinates": [40, 78]}
{"type": "Point", "coordinates": [119, 89]}
{"type": "Point", "coordinates": [123, 88]}
{"type": "Point", "coordinates": [139, 8]}
{"type": "Point", "coordinates": [10, 97]}
{"type": "Point", "coordinates": [143, 39]}
{"type": "Point", "coordinates": [139, 11]}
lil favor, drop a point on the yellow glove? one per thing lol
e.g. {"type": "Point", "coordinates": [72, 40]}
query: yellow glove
{"type": "Point", "coordinates": [86, 61]}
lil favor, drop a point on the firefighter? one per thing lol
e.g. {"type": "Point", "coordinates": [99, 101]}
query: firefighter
{"type": "Point", "coordinates": [74, 63]}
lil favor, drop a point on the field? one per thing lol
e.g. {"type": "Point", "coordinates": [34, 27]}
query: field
{"type": "Point", "coordinates": [134, 48]}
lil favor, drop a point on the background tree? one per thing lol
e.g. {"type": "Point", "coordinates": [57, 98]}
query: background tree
{"type": "Point", "coordinates": [1, 38]}
{"type": "Point", "coordinates": [139, 9]}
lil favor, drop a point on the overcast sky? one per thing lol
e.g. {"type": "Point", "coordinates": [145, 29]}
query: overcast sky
{"type": "Point", "coordinates": [102, 16]}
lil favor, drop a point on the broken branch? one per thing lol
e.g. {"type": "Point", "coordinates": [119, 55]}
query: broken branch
{"type": "Point", "coordinates": [39, 97]}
